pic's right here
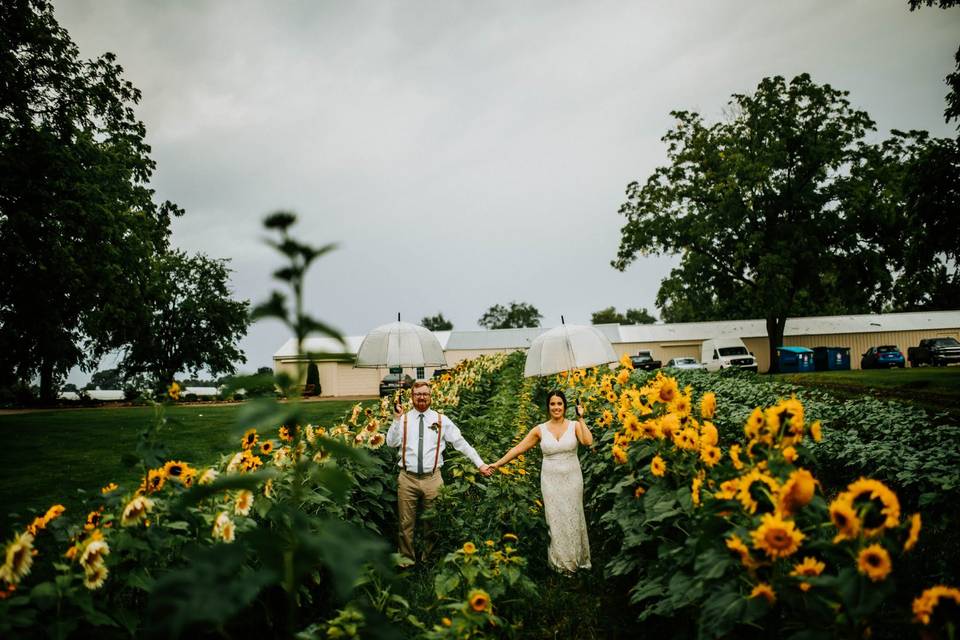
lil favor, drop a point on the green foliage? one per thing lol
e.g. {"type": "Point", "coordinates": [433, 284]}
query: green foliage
{"type": "Point", "coordinates": [632, 316]}
{"type": "Point", "coordinates": [77, 242]}
{"type": "Point", "coordinates": [437, 323]}
{"type": "Point", "coordinates": [191, 321]}
{"type": "Point", "coordinates": [515, 315]}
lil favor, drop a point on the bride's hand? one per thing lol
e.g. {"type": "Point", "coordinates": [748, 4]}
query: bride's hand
{"type": "Point", "coordinates": [579, 410]}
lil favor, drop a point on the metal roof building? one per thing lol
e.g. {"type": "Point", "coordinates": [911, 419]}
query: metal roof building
{"type": "Point", "coordinates": [665, 341]}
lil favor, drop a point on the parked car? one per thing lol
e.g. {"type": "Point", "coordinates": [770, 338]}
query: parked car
{"type": "Point", "coordinates": [644, 360]}
{"type": "Point", "coordinates": [885, 356]}
{"type": "Point", "coordinates": [439, 372]}
{"type": "Point", "coordinates": [391, 382]}
{"type": "Point", "coordinates": [718, 354]}
{"type": "Point", "coordinates": [684, 363]}
{"type": "Point", "coordinates": [938, 352]}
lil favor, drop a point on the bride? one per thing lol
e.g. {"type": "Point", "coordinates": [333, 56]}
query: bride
{"type": "Point", "coordinates": [561, 482]}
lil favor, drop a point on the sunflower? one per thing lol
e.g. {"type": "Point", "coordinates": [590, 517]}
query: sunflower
{"type": "Point", "coordinates": [658, 467]}
{"type": "Point", "coordinates": [250, 439]}
{"type": "Point", "coordinates": [243, 502]}
{"type": "Point", "coordinates": [468, 548]}
{"type": "Point", "coordinates": [874, 562]}
{"type": "Point", "coordinates": [510, 536]}
{"type": "Point", "coordinates": [156, 478]}
{"type": "Point", "coordinates": [669, 425]}
{"type": "Point", "coordinates": [925, 605]}
{"type": "Point", "coordinates": [650, 429]}
{"type": "Point", "coordinates": [175, 469]}
{"type": "Point", "coordinates": [844, 518]}
{"type": "Point", "coordinates": [135, 511]}
{"type": "Point", "coordinates": [95, 576]}
{"type": "Point", "coordinates": [286, 433]}
{"type": "Point", "coordinates": [376, 441]}
{"type": "Point", "coordinates": [223, 527]}
{"type": "Point", "coordinates": [94, 552]}
{"type": "Point", "coordinates": [695, 490]}
{"type": "Point", "coordinates": [681, 404]}
{"type": "Point", "coordinates": [755, 488]}
{"type": "Point", "coordinates": [479, 600]}
{"type": "Point", "coordinates": [708, 434]}
{"type": "Point", "coordinates": [631, 426]}
{"type": "Point", "coordinates": [208, 476]}
{"type": "Point", "coordinates": [266, 447]}
{"type": "Point", "coordinates": [372, 426]}
{"type": "Point", "coordinates": [606, 419]}
{"type": "Point", "coordinates": [754, 423]}
{"type": "Point", "coordinates": [789, 454]}
{"type": "Point", "coordinates": [626, 362]}
{"type": "Point", "coordinates": [619, 454]}
{"type": "Point", "coordinates": [796, 492]}
{"type": "Point", "coordinates": [729, 489]}
{"type": "Point", "coordinates": [765, 591]}
{"type": "Point", "coordinates": [914, 533]}
{"type": "Point", "coordinates": [735, 456]}
{"type": "Point", "coordinates": [623, 376]}
{"type": "Point", "coordinates": [639, 491]}
{"type": "Point", "coordinates": [735, 544]}
{"type": "Point", "coordinates": [18, 559]}
{"type": "Point", "coordinates": [94, 520]}
{"type": "Point", "coordinates": [174, 391]}
{"type": "Point", "coordinates": [109, 488]}
{"type": "Point", "coordinates": [877, 504]}
{"type": "Point", "coordinates": [810, 567]}
{"type": "Point", "coordinates": [777, 537]}
{"type": "Point", "coordinates": [687, 439]}
{"type": "Point", "coordinates": [667, 390]}
{"type": "Point", "coordinates": [710, 455]}
{"type": "Point", "coordinates": [816, 432]}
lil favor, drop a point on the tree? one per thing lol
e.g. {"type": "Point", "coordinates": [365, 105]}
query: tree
{"type": "Point", "coordinates": [78, 224]}
{"type": "Point", "coordinates": [193, 323]}
{"type": "Point", "coordinates": [106, 379]}
{"type": "Point", "coordinates": [437, 323]}
{"type": "Point", "coordinates": [952, 112]}
{"type": "Point", "coordinates": [610, 315]}
{"type": "Point", "coordinates": [514, 316]}
{"type": "Point", "coordinates": [763, 211]}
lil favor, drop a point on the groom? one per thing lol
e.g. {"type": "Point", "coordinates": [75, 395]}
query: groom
{"type": "Point", "coordinates": [422, 435]}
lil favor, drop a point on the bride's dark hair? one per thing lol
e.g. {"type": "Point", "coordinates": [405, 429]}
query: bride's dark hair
{"type": "Point", "coordinates": [559, 394]}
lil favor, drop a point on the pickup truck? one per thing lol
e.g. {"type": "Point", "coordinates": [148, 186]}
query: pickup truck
{"type": "Point", "coordinates": [938, 352]}
{"type": "Point", "coordinates": [644, 360]}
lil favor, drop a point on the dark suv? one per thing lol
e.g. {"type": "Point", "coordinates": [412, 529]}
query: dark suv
{"type": "Point", "coordinates": [391, 382]}
{"type": "Point", "coordinates": [885, 356]}
{"type": "Point", "coordinates": [644, 361]}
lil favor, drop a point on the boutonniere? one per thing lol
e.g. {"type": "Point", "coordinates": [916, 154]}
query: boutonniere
{"type": "Point", "coordinates": [434, 426]}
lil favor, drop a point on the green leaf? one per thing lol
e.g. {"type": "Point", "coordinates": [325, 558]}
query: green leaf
{"type": "Point", "coordinates": [337, 481]}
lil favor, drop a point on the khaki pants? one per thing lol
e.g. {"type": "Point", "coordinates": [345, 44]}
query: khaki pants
{"type": "Point", "coordinates": [413, 495]}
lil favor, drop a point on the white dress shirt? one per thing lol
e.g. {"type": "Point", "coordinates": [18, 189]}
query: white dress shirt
{"type": "Point", "coordinates": [451, 434]}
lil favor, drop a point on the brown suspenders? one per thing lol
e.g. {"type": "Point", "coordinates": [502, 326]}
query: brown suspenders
{"type": "Point", "coordinates": [403, 448]}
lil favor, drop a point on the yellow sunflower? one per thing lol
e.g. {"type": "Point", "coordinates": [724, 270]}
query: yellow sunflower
{"type": "Point", "coordinates": [816, 432]}
{"type": "Point", "coordinates": [687, 439]}
{"type": "Point", "coordinates": [469, 548]}
{"type": "Point", "coordinates": [777, 537]}
{"type": "Point", "coordinates": [729, 489]}
{"type": "Point", "coordinates": [735, 544]}
{"type": "Point", "coordinates": [658, 467]}
{"type": "Point", "coordinates": [250, 439]}
{"type": "Point", "coordinates": [735, 456]}
{"type": "Point", "coordinates": [695, 490]}
{"type": "Point", "coordinates": [765, 591]}
{"type": "Point", "coordinates": [667, 390]}
{"type": "Point", "coordinates": [708, 405]}
{"type": "Point", "coordinates": [623, 376]}
{"type": "Point", "coordinates": [874, 562]}
{"type": "Point", "coordinates": [810, 567]}
{"type": "Point", "coordinates": [243, 502]}
{"type": "Point", "coordinates": [755, 487]}
{"type": "Point", "coordinates": [914, 533]}
{"type": "Point", "coordinates": [797, 492]}
{"type": "Point", "coordinates": [709, 435]}
{"type": "Point", "coordinates": [789, 454]}
{"type": "Point", "coordinates": [669, 425]}
{"type": "Point", "coordinates": [266, 447]}
{"type": "Point", "coordinates": [639, 491]}
{"type": "Point", "coordinates": [754, 423]}
{"type": "Point", "coordinates": [710, 455]}
{"type": "Point", "coordinates": [619, 455]}
{"type": "Point", "coordinates": [136, 511]}
{"type": "Point", "coordinates": [95, 576]}
{"type": "Point", "coordinates": [109, 488]}
{"type": "Point", "coordinates": [877, 505]}
{"type": "Point", "coordinates": [626, 362]}
{"type": "Point", "coordinates": [681, 405]}
{"type": "Point", "coordinates": [18, 559]}
{"type": "Point", "coordinates": [479, 600]}
{"type": "Point", "coordinates": [925, 605]}
{"type": "Point", "coordinates": [844, 518]}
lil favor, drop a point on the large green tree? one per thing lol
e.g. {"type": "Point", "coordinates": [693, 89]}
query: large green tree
{"type": "Point", "coordinates": [78, 222]}
{"type": "Point", "coordinates": [437, 323]}
{"type": "Point", "coordinates": [515, 315]}
{"type": "Point", "coordinates": [610, 315]}
{"type": "Point", "coordinates": [952, 111]}
{"type": "Point", "coordinates": [191, 323]}
{"type": "Point", "coordinates": [762, 210]}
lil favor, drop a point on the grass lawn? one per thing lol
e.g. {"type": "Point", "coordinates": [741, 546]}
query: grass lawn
{"type": "Point", "coordinates": [935, 388]}
{"type": "Point", "coordinates": [48, 456]}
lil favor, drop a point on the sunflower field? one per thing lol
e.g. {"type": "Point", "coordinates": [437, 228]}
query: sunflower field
{"type": "Point", "coordinates": [718, 506]}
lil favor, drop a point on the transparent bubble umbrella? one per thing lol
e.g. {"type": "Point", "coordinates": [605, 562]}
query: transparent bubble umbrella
{"type": "Point", "coordinates": [569, 346]}
{"type": "Point", "coordinates": [400, 344]}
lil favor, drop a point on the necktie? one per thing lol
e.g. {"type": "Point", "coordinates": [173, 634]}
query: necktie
{"type": "Point", "coordinates": [420, 449]}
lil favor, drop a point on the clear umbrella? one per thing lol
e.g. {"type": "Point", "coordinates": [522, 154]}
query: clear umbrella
{"type": "Point", "coordinates": [400, 344]}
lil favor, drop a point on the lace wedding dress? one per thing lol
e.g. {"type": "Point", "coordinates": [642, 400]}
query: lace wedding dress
{"type": "Point", "coordinates": [561, 483]}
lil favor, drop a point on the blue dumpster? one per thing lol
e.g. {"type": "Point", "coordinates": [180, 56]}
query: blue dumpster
{"type": "Point", "coordinates": [831, 358]}
{"type": "Point", "coordinates": [795, 359]}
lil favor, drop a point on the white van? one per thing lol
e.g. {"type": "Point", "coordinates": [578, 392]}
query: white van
{"type": "Point", "coordinates": [723, 353]}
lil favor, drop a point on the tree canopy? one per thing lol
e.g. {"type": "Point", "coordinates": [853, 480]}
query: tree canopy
{"type": "Point", "coordinates": [763, 209]}
{"type": "Point", "coordinates": [437, 323]}
{"type": "Point", "coordinates": [191, 323]}
{"type": "Point", "coordinates": [952, 111]}
{"type": "Point", "coordinates": [515, 315]}
{"type": "Point", "coordinates": [78, 223]}
{"type": "Point", "coordinates": [610, 315]}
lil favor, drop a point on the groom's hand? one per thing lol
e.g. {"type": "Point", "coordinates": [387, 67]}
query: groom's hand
{"type": "Point", "coordinates": [397, 410]}
{"type": "Point", "coordinates": [486, 470]}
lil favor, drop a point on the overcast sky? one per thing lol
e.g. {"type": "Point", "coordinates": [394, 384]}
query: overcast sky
{"type": "Point", "coordinates": [462, 153]}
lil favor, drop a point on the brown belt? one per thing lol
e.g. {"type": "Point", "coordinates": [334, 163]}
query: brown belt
{"type": "Point", "coordinates": [421, 476]}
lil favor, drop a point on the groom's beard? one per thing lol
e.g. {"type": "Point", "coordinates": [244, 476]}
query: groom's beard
{"type": "Point", "coordinates": [421, 405]}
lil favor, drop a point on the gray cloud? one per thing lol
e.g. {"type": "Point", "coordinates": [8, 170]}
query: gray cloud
{"type": "Point", "coordinates": [466, 153]}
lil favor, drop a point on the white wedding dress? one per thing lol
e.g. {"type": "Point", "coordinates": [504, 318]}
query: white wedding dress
{"type": "Point", "coordinates": [561, 483]}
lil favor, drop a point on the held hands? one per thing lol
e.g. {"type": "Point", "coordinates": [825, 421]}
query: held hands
{"type": "Point", "coordinates": [486, 470]}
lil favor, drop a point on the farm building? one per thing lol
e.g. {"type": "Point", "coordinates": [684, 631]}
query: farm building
{"type": "Point", "coordinates": [665, 341]}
